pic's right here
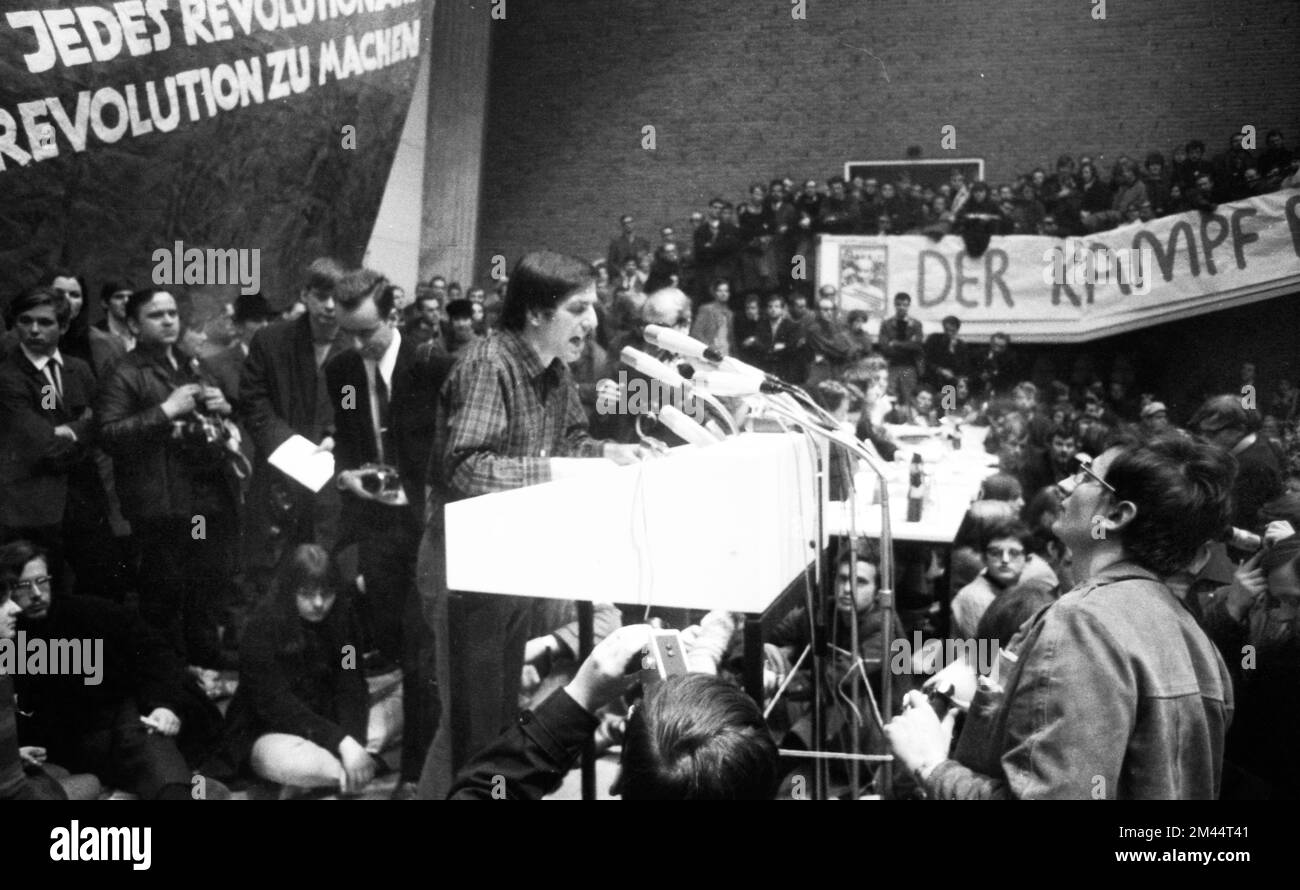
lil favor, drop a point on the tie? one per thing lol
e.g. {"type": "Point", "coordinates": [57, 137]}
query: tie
{"type": "Point", "coordinates": [385, 436]}
{"type": "Point", "coordinates": [55, 378]}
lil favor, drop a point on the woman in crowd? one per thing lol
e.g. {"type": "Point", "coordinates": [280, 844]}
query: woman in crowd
{"type": "Point", "coordinates": [299, 718]}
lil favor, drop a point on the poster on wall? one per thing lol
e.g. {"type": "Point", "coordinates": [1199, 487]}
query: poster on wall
{"type": "Point", "coordinates": [1053, 290]}
{"type": "Point", "coordinates": [136, 127]}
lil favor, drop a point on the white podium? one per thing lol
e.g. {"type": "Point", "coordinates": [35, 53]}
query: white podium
{"type": "Point", "coordinates": [724, 526]}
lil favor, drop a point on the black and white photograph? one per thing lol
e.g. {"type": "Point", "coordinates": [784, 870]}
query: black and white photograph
{"type": "Point", "coordinates": [864, 400]}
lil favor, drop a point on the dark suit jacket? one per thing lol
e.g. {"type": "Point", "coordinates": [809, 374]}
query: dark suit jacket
{"type": "Point", "coordinates": [938, 355]}
{"type": "Point", "coordinates": [35, 464]}
{"type": "Point", "coordinates": [277, 389]}
{"type": "Point", "coordinates": [226, 368]}
{"type": "Point", "coordinates": [413, 398]}
{"type": "Point", "coordinates": [789, 362]}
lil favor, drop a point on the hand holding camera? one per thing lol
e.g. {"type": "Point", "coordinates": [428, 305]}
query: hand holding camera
{"type": "Point", "coordinates": [183, 400]}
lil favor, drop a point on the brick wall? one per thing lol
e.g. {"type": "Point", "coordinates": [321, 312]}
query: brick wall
{"type": "Point", "coordinates": [737, 90]}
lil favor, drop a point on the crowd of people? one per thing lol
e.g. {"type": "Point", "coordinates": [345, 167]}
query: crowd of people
{"type": "Point", "coordinates": [139, 503]}
{"type": "Point", "coordinates": [752, 243]}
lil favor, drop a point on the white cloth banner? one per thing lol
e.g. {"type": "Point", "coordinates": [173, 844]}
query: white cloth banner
{"type": "Point", "coordinates": [1037, 288]}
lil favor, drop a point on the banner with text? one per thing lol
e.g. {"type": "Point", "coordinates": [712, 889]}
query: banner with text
{"type": "Point", "coordinates": [264, 125]}
{"type": "Point", "coordinates": [1054, 290]}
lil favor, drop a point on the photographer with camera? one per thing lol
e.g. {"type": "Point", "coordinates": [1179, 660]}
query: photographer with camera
{"type": "Point", "coordinates": [385, 394]}
{"type": "Point", "coordinates": [691, 737]}
{"type": "Point", "coordinates": [163, 427]}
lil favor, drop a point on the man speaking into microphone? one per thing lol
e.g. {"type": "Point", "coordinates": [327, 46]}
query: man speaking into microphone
{"type": "Point", "coordinates": [509, 406]}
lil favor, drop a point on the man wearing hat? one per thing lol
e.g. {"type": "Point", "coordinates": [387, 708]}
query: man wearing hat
{"type": "Point", "coordinates": [1155, 418]}
{"type": "Point", "coordinates": [252, 313]}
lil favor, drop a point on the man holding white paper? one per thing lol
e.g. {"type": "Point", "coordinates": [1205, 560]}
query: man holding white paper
{"type": "Point", "coordinates": [282, 394]}
{"type": "Point", "coordinates": [508, 408]}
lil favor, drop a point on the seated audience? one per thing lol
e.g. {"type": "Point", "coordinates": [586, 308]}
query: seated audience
{"type": "Point", "coordinates": [300, 715]}
{"type": "Point", "coordinates": [139, 722]}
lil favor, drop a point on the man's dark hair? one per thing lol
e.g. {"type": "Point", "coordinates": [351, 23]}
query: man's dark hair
{"type": "Point", "coordinates": [1183, 492]}
{"type": "Point", "coordinates": [112, 287]}
{"type": "Point", "coordinates": [951, 320]}
{"type": "Point", "coordinates": [15, 555]}
{"type": "Point", "coordinates": [140, 298]}
{"type": "Point", "coordinates": [323, 275]}
{"type": "Point", "coordinates": [460, 309]}
{"type": "Point", "coordinates": [42, 295]}
{"type": "Point", "coordinates": [835, 180]}
{"type": "Point", "coordinates": [539, 282]}
{"type": "Point", "coordinates": [1196, 143]}
{"type": "Point", "coordinates": [695, 737]}
{"type": "Point", "coordinates": [1061, 431]}
{"type": "Point", "coordinates": [358, 285]}
{"type": "Point", "coordinates": [1221, 412]}
{"type": "Point", "coordinates": [1008, 528]}
{"type": "Point", "coordinates": [1001, 487]}
{"type": "Point", "coordinates": [902, 296]}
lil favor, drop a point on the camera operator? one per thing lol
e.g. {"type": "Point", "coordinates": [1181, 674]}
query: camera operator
{"type": "Point", "coordinates": [692, 737]}
{"type": "Point", "coordinates": [162, 426]}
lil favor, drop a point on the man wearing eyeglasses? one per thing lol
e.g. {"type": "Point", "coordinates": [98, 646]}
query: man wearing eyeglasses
{"type": "Point", "coordinates": [1114, 691]}
{"type": "Point", "coordinates": [128, 724]}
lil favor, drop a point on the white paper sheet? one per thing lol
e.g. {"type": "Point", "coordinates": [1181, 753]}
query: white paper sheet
{"type": "Point", "coordinates": [298, 459]}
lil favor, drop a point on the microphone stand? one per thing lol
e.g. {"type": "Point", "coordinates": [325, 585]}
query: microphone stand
{"type": "Point", "coordinates": [886, 590]}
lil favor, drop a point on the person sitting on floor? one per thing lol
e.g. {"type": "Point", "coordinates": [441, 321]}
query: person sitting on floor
{"type": "Point", "coordinates": [300, 715]}
{"type": "Point", "coordinates": [132, 715]}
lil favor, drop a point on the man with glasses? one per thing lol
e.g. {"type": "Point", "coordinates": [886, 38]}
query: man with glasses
{"type": "Point", "coordinates": [1007, 562]}
{"type": "Point", "coordinates": [128, 726]}
{"type": "Point", "coordinates": [1114, 691]}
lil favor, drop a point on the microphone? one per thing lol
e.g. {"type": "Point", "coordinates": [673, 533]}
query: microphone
{"type": "Point", "coordinates": [685, 345]}
{"type": "Point", "coordinates": [730, 384]}
{"type": "Point", "coordinates": [682, 344]}
{"type": "Point", "coordinates": [685, 428]}
{"type": "Point", "coordinates": [652, 367]}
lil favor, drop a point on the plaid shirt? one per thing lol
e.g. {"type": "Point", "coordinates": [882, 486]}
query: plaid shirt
{"type": "Point", "coordinates": [501, 418]}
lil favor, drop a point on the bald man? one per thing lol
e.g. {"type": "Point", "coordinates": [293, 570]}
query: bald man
{"type": "Point", "coordinates": [616, 416]}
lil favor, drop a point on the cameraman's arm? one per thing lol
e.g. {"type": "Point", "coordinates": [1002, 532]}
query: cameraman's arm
{"type": "Point", "coordinates": [530, 759]}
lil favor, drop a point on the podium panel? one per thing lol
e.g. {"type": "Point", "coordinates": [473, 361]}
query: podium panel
{"type": "Point", "coordinates": [724, 526]}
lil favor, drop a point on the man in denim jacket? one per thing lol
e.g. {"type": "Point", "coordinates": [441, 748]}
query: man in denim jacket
{"type": "Point", "coordinates": [1113, 691]}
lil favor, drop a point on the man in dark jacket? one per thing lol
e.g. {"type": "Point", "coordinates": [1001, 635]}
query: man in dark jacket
{"type": "Point", "coordinates": [130, 715]}
{"type": "Point", "coordinates": [384, 410]}
{"type": "Point", "coordinates": [1223, 422]}
{"type": "Point", "coordinates": [163, 426]}
{"type": "Point", "coordinates": [947, 355]}
{"type": "Point", "coordinates": [282, 393]}
{"type": "Point", "coordinates": [50, 490]}
{"type": "Point", "coordinates": [901, 343]}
